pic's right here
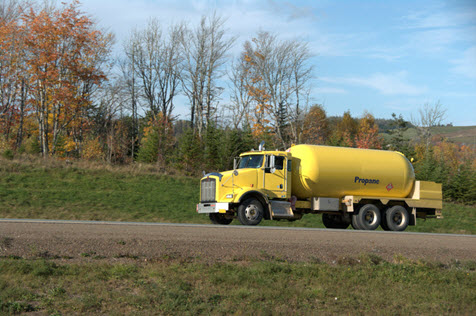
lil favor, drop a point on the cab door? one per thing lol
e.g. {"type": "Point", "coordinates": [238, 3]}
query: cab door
{"type": "Point", "coordinates": [275, 178]}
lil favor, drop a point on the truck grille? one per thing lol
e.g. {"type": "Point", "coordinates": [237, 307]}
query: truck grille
{"type": "Point", "coordinates": [208, 190]}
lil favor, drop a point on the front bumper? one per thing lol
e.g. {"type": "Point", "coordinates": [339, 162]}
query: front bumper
{"type": "Point", "coordinates": [212, 207]}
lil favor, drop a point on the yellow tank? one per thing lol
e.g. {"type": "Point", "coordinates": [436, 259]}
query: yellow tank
{"type": "Point", "coordinates": [324, 171]}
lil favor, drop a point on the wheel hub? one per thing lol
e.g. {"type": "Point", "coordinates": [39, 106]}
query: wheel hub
{"type": "Point", "coordinates": [370, 218]}
{"type": "Point", "coordinates": [397, 218]}
{"type": "Point", "coordinates": [251, 212]}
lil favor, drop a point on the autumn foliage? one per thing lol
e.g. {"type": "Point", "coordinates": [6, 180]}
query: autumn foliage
{"type": "Point", "coordinates": [256, 88]}
{"type": "Point", "coordinates": [61, 96]}
{"type": "Point", "coordinates": [367, 134]}
{"type": "Point", "coordinates": [315, 126]}
{"type": "Point", "coordinates": [53, 61]}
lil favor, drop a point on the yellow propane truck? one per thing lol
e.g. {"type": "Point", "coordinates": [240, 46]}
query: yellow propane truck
{"type": "Point", "coordinates": [364, 188]}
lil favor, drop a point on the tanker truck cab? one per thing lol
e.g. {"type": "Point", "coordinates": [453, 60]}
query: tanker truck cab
{"type": "Point", "coordinates": [348, 186]}
{"type": "Point", "coordinates": [258, 187]}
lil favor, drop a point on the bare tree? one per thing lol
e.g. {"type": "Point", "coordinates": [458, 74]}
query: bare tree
{"type": "Point", "coordinates": [302, 73]}
{"type": "Point", "coordinates": [10, 10]}
{"type": "Point", "coordinates": [111, 102]}
{"type": "Point", "coordinates": [205, 51]}
{"type": "Point", "coordinates": [239, 107]}
{"type": "Point", "coordinates": [127, 67]}
{"type": "Point", "coordinates": [156, 60]}
{"type": "Point", "coordinates": [281, 72]}
{"type": "Point", "coordinates": [428, 117]}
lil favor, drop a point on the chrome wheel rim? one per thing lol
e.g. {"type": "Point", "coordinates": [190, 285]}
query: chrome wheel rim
{"type": "Point", "coordinates": [397, 218]}
{"type": "Point", "coordinates": [370, 218]}
{"type": "Point", "coordinates": [251, 212]}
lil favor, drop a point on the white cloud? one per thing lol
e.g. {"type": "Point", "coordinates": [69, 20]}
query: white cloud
{"type": "Point", "coordinates": [439, 17]}
{"type": "Point", "coordinates": [440, 28]}
{"type": "Point", "coordinates": [466, 64]}
{"type": "Point", "coordinates": [244, 18]}
{"type": "Point", "coordinates": [387, 84]}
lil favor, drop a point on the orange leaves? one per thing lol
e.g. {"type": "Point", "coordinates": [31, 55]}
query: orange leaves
{"type": "Point", "coordinates": [453, 154]}
{"type": "Point", "coordinates": [63, 57]}
{"type": "Point", "coordinates": [315, 126]}
{"type": "Point", "coordinates": [367, 135]}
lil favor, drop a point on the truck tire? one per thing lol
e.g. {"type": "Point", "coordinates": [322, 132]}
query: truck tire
{"type": "Point", "coordinates": [250, 212]}
{"type": "Point", "coordinates": [354, 223]}
{"type": "Point", "coordinates": [368, 217]}
{"type": "Point", "coordinates": [353, 218]}
{"type": "Point", "coordinates": [334, 221]}
{"type": "Point", "coordinates": [397, 218]}
{"type": "Point", "coordinates": [219, 219]}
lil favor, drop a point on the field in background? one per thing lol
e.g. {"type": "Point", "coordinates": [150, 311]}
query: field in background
{"type": "Point", "coordinates": [458, 134]}
{"type": "Point", "coordinates": [96, 192]}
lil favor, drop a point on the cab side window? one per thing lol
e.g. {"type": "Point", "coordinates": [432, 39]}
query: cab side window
{"type": "Point", "coordinates": [278, 163]}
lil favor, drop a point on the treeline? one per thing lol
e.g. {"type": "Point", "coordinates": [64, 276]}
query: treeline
{"type": "Point", "coordinates": [63, 95]}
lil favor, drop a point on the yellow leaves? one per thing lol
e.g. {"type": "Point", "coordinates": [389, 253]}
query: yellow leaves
{"type": "Point", "coordinates": [70, 145]}
{"type": "Point", "coordinates": [92, 149]}
{"type": "Point", "coordinates": [4, 145]}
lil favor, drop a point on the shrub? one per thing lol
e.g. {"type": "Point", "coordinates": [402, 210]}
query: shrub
{"type": "Point", "coordinates": [8, 154]}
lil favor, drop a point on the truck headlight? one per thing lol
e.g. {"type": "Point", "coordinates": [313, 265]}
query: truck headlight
{"type": "Point", "coordinates": [229, 196]}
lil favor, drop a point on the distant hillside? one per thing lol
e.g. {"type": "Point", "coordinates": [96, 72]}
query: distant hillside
{"type": "Point", "coordinates": [458, 134]}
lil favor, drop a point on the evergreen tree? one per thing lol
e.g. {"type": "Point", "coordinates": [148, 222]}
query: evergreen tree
{"type": "Point", "coordinates": [462, 186]}
{"type": "Point", "coordinates": [190, 152]}
{"type": "Point", "coordinates": [398, 141]}
{"type": "Point", "coordinates": [213, 147]}
{"type": "Point", "coordinates": [157, 142]}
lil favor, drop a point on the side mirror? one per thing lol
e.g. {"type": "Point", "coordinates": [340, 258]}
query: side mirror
{"type": "Point", "coordinates": [235, 163]}
{"type": "Point", "coordinates": [272, 164]}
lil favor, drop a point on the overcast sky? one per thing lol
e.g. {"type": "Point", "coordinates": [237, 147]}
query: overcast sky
{"type": "Point", "coordinates": [381, 56]}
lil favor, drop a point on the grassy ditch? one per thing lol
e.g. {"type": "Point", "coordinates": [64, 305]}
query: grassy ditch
{"type": "Point", "coordinates": [350, 286]}
{"type": "Point", "coordinates": [61, 191]}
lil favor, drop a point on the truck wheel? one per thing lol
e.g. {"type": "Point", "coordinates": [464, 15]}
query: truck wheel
{"type": "Point", "coordinates": [220, 219]}
{"type": "Point", "coordinates": [368, 217]}
{"type": "Point", "coordinates": [334, 221]}
{"type": "Point", "coordinates": [397, 218]}
{"type": "Point", "coordinates": [353, 218]}
{"type": "Point", "coordinates": [354, 223]}
{"type": "Point", "coordinates": [250, 212]}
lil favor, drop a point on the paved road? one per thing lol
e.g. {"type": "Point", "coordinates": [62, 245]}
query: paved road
{"type": "Point", "coordinates": [79, 240]}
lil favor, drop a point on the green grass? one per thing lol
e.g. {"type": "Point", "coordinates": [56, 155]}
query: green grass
{"type": "Point", "coordinates": [66, 192]}
{"type": "Point", "coordinates": [363, 285]}
{"type": "Point", "coordinates": [62, 191]}
{"type": "Point", "coordinates": [457, 219]}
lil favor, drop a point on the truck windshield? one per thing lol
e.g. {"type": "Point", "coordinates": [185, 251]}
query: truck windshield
{"type": "Point", "coordinates": [252, 161]}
